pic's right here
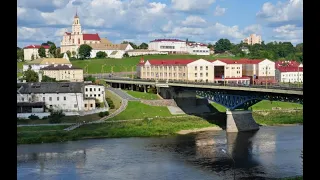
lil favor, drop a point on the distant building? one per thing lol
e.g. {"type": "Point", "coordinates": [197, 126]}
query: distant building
{"type": "Point", "coordinates": [289, 72]}
{"type": "Point", "coordinates": [175, 46]}
{"type": "Point", "coordinates": [253, 39]}
{"type": "Point", "coordinates": [32, 50]}
{"type": "Point", "coordinates": [94, 91]}
{"type": "Point", "coordinates": [141, 52]}
{"type": "Point", "coordinates": [63, 73]}
{"type": "Point", "coordinates": [37, 64]}
{"type": "Point", "coordinates": [245, 50]}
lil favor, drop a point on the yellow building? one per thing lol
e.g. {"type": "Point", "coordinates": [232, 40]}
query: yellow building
{"type": "Point", "coordinates": [63, 73]}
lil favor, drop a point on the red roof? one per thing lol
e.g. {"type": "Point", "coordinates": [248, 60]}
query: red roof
{"type": "Point", "coordinates": [290, 69]}
{"type": "Point", "coordinates": [287, 63]}
{"type": "Point", "coordinates": [173, 40]}
{"type": "Point", "coordinates": [249, 61]}
{"type": "Point", "coordinates": [68, 33]}
{"type": "Point", "coordinates": [170, 61]}
{"type": "Point", "coordinates": [36, 47]}
{"type": "Point", "coordinates": [240, 78]}
{"type": "Point", "coordinates": [92, 37]}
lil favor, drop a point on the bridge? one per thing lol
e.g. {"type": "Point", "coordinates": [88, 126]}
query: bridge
{"type": "Point", "coordinates": [236, 98]}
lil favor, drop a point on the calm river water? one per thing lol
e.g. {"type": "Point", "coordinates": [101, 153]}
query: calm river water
{"type": "Point", "coordinates": [271, 152]}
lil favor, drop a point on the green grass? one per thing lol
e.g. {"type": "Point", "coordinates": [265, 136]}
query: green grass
{"type": "Point", "coordinates": [138, 110]}
{"type": "Point", "coordinates": [278, 118]}
{"type": "Point", "coordinates": [40, 128]}
{"type": "Point", "coordinates": [293, 178]}
{"type": "Point", "coordinates": [65, 119]}
{"type": "Point", "coordinates": [20, 65]}
{"type": "Point", "coordinates": [116, 100]}
{"type": "Point", "coordinates": [156, 127]}
{"type": "Point", "coordinates": [264, 105]}
{"type": "Point", "coordinates": [126, 64]}
{"type": "Point", "coordinates": [142, 95]}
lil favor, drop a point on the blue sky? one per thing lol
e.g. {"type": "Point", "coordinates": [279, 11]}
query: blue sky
{"type": "Point", "coordinates": [144, 20]}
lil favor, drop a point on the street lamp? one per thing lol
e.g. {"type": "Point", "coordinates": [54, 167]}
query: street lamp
{"type": "Point", "coordinates": [225, 152]}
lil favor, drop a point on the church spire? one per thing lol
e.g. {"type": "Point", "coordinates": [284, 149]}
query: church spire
{"type": "Point", "coordinates": [76, 16]}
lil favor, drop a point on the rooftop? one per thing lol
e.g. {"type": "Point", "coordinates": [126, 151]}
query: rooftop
{"type": "Point", "coordinates": [50, 87]}
{"type": "Point", "coordinates": [36, 47]}
{"type": "Point", "coordinates": [50, 61]}
{"type": "Point", "coordinates": [172, 40]}
{"type": "Point", "coordinates": [170, 61]}
{"type": "Point", "coordinates": [290, 69]}
{"type": "Point", "coordinates": [59, 67]}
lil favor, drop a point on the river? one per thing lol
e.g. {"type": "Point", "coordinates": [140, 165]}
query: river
{"type": "Point", "coordinates": [271, 152]}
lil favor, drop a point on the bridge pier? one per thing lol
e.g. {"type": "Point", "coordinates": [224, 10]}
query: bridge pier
{"type": "Point", "coordinates": [239, 121]}
{"type": "Point", "coordinates": [144, 88]}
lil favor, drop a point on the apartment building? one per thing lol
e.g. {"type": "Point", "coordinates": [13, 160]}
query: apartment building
{"type": "Point", "coordinates": [253, 39]}
{"type": "Point", "coordinates": [63, 73]}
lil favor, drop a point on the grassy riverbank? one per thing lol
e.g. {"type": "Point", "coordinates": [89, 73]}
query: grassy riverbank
{"type": "Point", "coordinates": [144, 128]}
{"type": "Point", "coordinates": [272, 118]}
{"type": "Point", "coordinates": [142, 95]}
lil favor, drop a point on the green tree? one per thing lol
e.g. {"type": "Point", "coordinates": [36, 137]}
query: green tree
{"type": "Point", "coordinates": [42, 52]}
{"type": "Point", "coordinates": [48, 43]}
{"type": "Point", "coordinates": [74, 54]}
{"type": "Point", "coordinates": [30, 75]}
{"type": "Point", "coordinates": [69, 53]}
{"type": "Point", "coordinates": [210, 45]}
{"type": "Point", "coordinates": [52, 50]}
{"type": "Point", "coordinates": [125, 54]}
{"type": "Point", "coordinates": [101, 54]}
{"type": "Point", "coordinates": [20, 54]}
{"type": "Point", "coordinates": [89, 78]}
{"type": "Point", "coordinates": [55, 116]}
{"type": "Point", "coordinates": [58, 53]}
{"type": "Point", "coordinates": [299, 47]}
{"type": "Point", "coordinates": [143, 46]}
{"type": "Point", "coordinates": [222, 45]}
{"type": "Point", "coordinates": [134, 46]}
{"type": "Point", "coordinates": [48, 79]}
{"type": "Point", "coordinates": [32, 57]}
{"type": "Point", "coordinates": [84, 51]}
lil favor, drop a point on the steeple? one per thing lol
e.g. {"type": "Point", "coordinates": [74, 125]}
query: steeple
{"type": "Point", "coordinates": [76, 16]}
{"type": "Point", "coordinates": [76, 26]}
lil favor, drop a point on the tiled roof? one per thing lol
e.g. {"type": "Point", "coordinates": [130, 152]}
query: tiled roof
{"type": "Point", "coordinates": [290, 69]}
{"type": "Point", "coordinates": [36, 47]}
{"type": "Point", "coordinates": [239, 78]}
{"type": "Point", "coordinates": [170, 61]}
{"type": "Point", "coordinates": [249, 61]}
{"type": "Point", "coordinates": [92, 37]}
{"type": "Point", "coordinates": [172, 40]}
{"type": "Point", "coordinates": [59, 67]}
{"type": "Point", "coordinates": [50, 61]}
{"type": "Point", "coordinates": [50, 87]}
{"type": "Point", "coordinates": [228, 61]}
{"type": "Point", "coordinates": [287, 63]}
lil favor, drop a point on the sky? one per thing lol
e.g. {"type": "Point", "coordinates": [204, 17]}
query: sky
{"type": "Point", "coordinates": [139, 21]}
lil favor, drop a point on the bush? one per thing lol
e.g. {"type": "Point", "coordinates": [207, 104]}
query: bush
{"type": "Point", "coordinates": [33, 117]}
{"type": "Point", "coordinates": [55, 116]}
{"type": "Point", "coordinates": [45, 117]}
{"type": "Point", "coordinates": [110, 103]}
{"type": "Point", "coordinates": [102, 114]}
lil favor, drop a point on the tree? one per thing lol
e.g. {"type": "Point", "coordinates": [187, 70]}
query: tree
{"type": "Point", "coordinates": [30, 75]}
{"type": "Point", "coordinates": [52, 50]}
{"type": "Point", "coordinates": [90, 78]}
{"type": "Point", "coordinates": [48, 43]}
{"type": "Point", "coordinates": [134, 46]}
{"type": "Point", "coordinates": [32, 57]}
{"type": "Point", "coordinates": [20, 55]}
{"type": "Point", "coordinates": [74, 53]}
{"type": "Point", "coordinates": [84, 51]}
{"type": "Point", "coordinates": [55, 116]}
{"type": "Point", "coordinates": [58, 53]}
{"type": "Point", "coordinates": [69, 53]}
{"type": "Point", "coordinates": [299, 47]}
{"type": "Point", "coordinates": [125, 54]}
{"type": "Point", "coordinates": [143, 46]}
{"type": "Point", "coordinates": [222, 45]}
{"type": "Point", "coordinates": [101, 54]}
{"type": "Point", "coordinates": [42, 52]}
{"type": "Point", "coordinates": [48, 79]}
{"type": "Point", "coordinates": [210, 46]}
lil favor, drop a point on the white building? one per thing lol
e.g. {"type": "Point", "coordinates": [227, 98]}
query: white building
{"type": "Point", "coordinates": [141, 52]}
{"type": "Point", "coordinates": [32, 50]}
{"type": "Point", "coordinates": [112, 50]}
{"type": "Point", "coordinates": [253, 39]}
{"type": "Point", "coordinates": [50, 95]}
{"type": "Point", "coordinates": [289, 74]}
{"type": "Point", "coordinates": [260, 70]}
{"type": "Point", "coordinates": [198, 49]}
{"type": "Point", "coordinates": [95, 91]}
{"type": "Point", "coordinates": [175, 46]}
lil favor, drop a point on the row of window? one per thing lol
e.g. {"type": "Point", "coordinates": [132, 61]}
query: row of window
{"type": "Point", "coordinates": [200, 50]}
{"type": "Point", "coordinates": [196, 68]}
{"type": "Point", "coordinates": [233, 68]}
{"type": "Point", "coordinates": [286, 75]}
{"type": "Point", "coordinates": [94, 95]}
{"type": "Point", "coordinates": [44, 98]}
{"type": "Point", "coordinates": [94, 89]}
{"type": "Point", "coordinates": [196, 74]}
{"type": "Point", "coordinates": [165, 67]}
{"type": "Point", "coordinates": [165, 74]}
{"type": "Point", "coordinates": [167, 47]}
{"type": "Point", "coordinates": [86, 105]}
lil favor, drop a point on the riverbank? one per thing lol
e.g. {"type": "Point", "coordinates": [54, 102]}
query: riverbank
{"type": "Point", "coordinates": [146, 128]}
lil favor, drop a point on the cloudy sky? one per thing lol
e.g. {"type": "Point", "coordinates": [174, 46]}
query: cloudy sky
{"type": "Point", "coordinates": [144, 20]}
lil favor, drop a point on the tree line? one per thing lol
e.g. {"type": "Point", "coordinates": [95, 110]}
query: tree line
{"type": "Point", "coordinates": [272, 50]}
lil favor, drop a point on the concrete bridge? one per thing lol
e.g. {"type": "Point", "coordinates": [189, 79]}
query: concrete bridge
{"type": "Point", "coordinates": [236, 98]}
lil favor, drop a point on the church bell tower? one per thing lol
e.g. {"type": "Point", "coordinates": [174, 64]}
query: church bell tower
{"type": "Point", "coordinates": [76, 26]}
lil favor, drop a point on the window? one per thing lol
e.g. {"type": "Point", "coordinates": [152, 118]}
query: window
{"type": "Point", "coordinates": [86, 95]}
{"type": "Point", "coordinates": [75, 105]}
{"type": "Point", "coordinates": [94, 89]}
{"type": "Point", "coordinates": [200, 68]}
{"type": "Point", "coordinates": [195, 74]}
{"type": "Point", "coordinates": [227, 67]}
{"type": "Point", "coordinates": [86, 89]}
{"type": "Point", "coordinates": [99, 89]}
{"type": "Point", "coordinates": [99, 95]}
{"type": "Point", "coordinates": [95, 95]}
{"type": "Point", "coordinates": [206, 74]}
{"type": "Point", "coordinates": [206, 67]}
{"type": "Point", "coordinates": [65, 98]}
{"type": "Point", "coordinates": [50, 98]}
{"type": "Point", "coordinates": [43, 99]}
{"type": "Point", "coordinates": [57, 98]}
{"type": "Point", "coordinates": [91, 105]}
{"type": "Point", "coordinates": [90, 95]}
{"type": "Point", "coordinates": [200, 74]}
{"type": "Point", "coordinates": [90, 89]}
{"type": "Point", "coordinates": [206, 80]}
{"type": "Point", "coordinates": [232, 68]}
{"type": "Point", "coordinates": [50, 106]}
{"type": "Point", "coordinates": [85, 105]}
{"type": "Point", "coordinates": [195, 68]}
{"type": "Point", "coordinates": [22, 99]}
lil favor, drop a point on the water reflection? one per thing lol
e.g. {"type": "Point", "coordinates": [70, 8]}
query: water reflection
{"type": "Point", "coordinates": [269, 153]}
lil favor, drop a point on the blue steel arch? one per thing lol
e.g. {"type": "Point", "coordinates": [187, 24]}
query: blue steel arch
{"type": "Point", "coordinates": [232, 101]}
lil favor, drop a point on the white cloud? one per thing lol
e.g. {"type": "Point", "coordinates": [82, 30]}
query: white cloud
{"type": "Point", "coordinates": [194, 21]}
{"type": "Point", "coordinates": [289, 12]}
{"type": "Point", "coordinates": [219, 11]}
{"type": "Point", "coordinates": [253, 29]}
{"type": "Point", "coordinates": [288, 33]}
{"type": "Point", "coordinates": [191, 5]}
{"type": "Point", "coordinates": [43, 5]}
{"type": "Point", "coordinates": [167, 27]}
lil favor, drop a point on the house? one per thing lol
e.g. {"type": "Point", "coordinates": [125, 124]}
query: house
{"type": "Point", "coordinates": [63, 72]}
{"type": "Point", "coordinates": [37, 64]}
{"type": "Point", "coordinates": [36, 97]}
{"type": "Point", "coordinates": [94, 91]}
{"type": "Point", "coordinates": [112, 50]}
{"type": "Point", "coordinates": [31, 52]}
{"type": "Point", "coordinates": [289, 74]}
{"type": "Point", "coordinates": [198, 49]}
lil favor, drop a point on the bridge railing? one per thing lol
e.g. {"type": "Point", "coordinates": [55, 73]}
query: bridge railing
{"type": "Point", "coordinates": [268, 86]}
